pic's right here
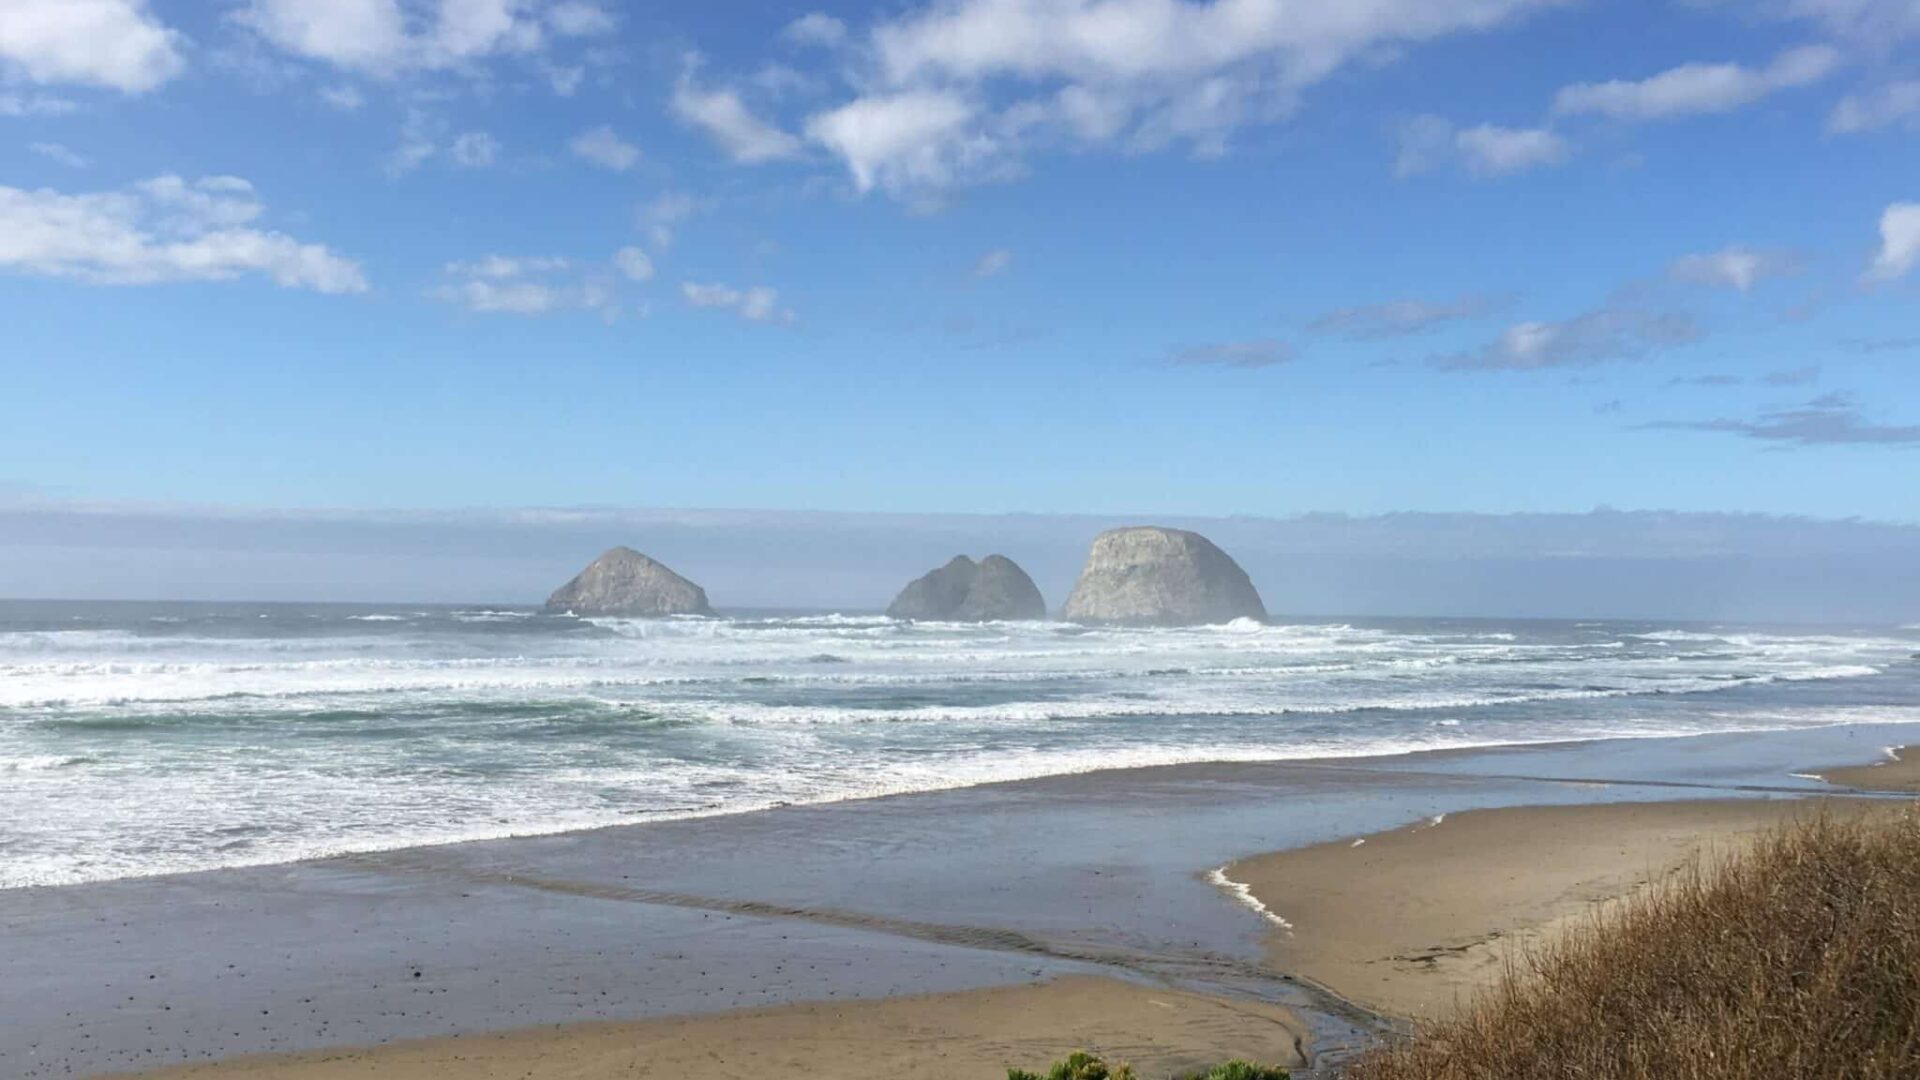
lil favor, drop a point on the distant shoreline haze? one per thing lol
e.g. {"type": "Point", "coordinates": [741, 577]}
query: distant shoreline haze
{"type": "Point", "coordinates": [1601, 564]}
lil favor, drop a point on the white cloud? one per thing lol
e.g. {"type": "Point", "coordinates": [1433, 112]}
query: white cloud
{"type": "Point", "coordinates": [112, 43]}
{"type": "Point", "coordinates": [816, 28]}
{"type": "Point", "coordinates": [993, 263]}
{"type": "Point", "coordinates": [1428, 143]}
{"type": "Point", "coordinates": [758, 303]}
{"type": "Point", "coordinates": [1119, 40]}
{"type": "Point", "coordinates": [362, 34]}
{"type": "Point", "coordinates": [1893, 103]}
{"type": "Point", "coordinates": [634, 263]}
{"type": "Point", "coordinates": [1495, 151]}
{"type": "Point", "coordinates": [1899, 242]}
{"type": "Point", "coordinates": [906, 143]}
{"type": "Point", "coordinates": [389, 37]}
{"type": "Point", "coordinates": [34, 105]}
{"type": "Point", "coordinates": [1735, 267]}
{"type": "Point", "coordinates": [344, 98]}
{"type": "Point", "coordinates": [1609, 333]}
{"type": "Point", "coordinates": [162, 230]}
{"type": "Point", "coordinates": [565, 79]}
{"type": "Point", "coordinates": [507, 267]}
{"type": "Point", "coordinates": [1873, 22]}
{"type": "Point", "coordinates": [1140, 74]}
{"type": "Point", "coordinates": [574, 18]}
{"type": "Point", "coordinates": [601, 146]}
{"type": "Point", "coordinates": [419, 140]}
{"type": "Point", "coordinates": [662, 217]}
{"type": "Point", "coordinates": [745, 138]}
{"type": "Point", "coordinates": [1402, 318]}
{"type": "Point", "coordinates": [57, 152]}
{"type": "Point", "coordinates": [503, 267]}
{"type": "Point", "coordinates": [1259, 353]}
{"type": "Point", "coordinates": [1692, 89]}
{"type": "Point", "coordinates": [524, 285]}
{"type": "Point", "coordinates": [474, 150]}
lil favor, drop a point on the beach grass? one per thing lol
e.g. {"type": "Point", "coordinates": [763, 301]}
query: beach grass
{"type": "Point", "coordinates": [1799, 957]}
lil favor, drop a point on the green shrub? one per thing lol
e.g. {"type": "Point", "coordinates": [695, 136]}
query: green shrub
{"type": "Point", "coordinates": [1081, 1065]}
{"type": "Point", "coordinates": [1246, 1070]}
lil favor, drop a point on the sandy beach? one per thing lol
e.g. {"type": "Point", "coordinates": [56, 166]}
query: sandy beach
{"type": "Point", "coordinates": [951, 933]}
{"type": "Point", "coordinates": [1899, 771]}
{"type": "Point", "coordinates": [1411, 921]}
{"type": "Point", "coordinates": [972, 1034]}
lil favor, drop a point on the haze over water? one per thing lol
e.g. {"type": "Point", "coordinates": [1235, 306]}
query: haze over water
{"type": "Point", "coordinates": [149, 738]}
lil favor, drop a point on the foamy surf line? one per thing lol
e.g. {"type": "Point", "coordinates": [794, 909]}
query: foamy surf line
{"type": "Point", "coordinates": [25, 875]}
{"type": "Point", "coordinates": [1243, 893]}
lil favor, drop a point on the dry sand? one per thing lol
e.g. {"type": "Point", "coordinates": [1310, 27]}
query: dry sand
{"type": "Point", "coordinates": [974, 1035]}
{"type": "Point", "coordinates": [1410, 922]}
{"type": "Point", "coordinates": [1900, 772]}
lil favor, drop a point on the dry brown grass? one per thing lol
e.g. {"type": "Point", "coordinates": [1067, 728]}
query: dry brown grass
{"type": "Point", "coordinates": [1800, 958]}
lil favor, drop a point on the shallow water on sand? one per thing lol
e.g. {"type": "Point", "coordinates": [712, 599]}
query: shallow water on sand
{"type": "Point", "coordinates": [149, 738]}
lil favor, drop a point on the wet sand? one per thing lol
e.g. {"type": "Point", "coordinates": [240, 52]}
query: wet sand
{"type": "Point", "coordinates": [1412, 921]}
{"type": "Point", "coordinates": [963, 1036]}
{"type": "Point", "coordinates": [836, 914]}
{"type": "Point", "coordinates": [1899, 772]}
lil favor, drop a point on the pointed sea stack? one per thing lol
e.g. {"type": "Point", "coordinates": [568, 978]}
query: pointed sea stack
{"type": "Point", "coordinates": [1161, 577]}
{"type": "Point", "coordinates": [992, 589]}
{"type": "Point", "coordinates": [624, 582]}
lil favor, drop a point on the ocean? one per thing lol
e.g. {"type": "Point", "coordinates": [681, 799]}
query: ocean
{"type": "Point", "coordinates": [139, 739]}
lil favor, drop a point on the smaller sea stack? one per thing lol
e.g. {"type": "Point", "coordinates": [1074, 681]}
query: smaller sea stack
{"type": "Point", "coordinates": [624, 582]}
{"type": "Point", "coordinates": [992, 589]}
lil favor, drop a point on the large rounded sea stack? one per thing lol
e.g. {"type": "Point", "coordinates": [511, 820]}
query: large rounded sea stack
{"type": "Point", "coordinates": [627, 583]}
{"type": "Point", "coordinates": [990, 590]}
{"type": "Point", "coordinates": [1148, 576]}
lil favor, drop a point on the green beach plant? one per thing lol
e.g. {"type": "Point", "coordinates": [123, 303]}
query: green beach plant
{"type": "Point", "coordinates": [1081, 1065]}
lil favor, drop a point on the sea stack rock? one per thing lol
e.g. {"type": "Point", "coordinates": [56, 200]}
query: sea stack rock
{"type": "Point", "coordinates": [1161, 577]}
{"type": "Point", "coordinates": [625, 582]}
{"type": "Point", "coordinates": [965, 591]}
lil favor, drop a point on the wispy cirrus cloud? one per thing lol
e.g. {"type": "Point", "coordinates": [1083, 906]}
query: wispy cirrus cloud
{"type": "Point", "coordinates": [1257, 353]}
{"type": "Point", "coordinates": [1404, 318]}
{"type": "Point", "coordinates": [1430, 143]}
{"type": "Point", "coordinates": [58, 152]}
{"type": "Point", "coordinates": [1829, 420]}
{"type": "Point", "coordinates": [1694, 89]}
{"type": "Point", "coordinates": [1735, 267]}
{"type": "Point", "coordinates": [1612, 333]}
{"type": "Point", "coordinates": [754, 303]}
{"type": "Point", "coordinates": [992, 264]}
{"type": "Point", "coordinates": [604, 147]}
{"type": "Point", "coordinates": [1887, 105]}
{"type": "Point", "coordinates": [529, 285]}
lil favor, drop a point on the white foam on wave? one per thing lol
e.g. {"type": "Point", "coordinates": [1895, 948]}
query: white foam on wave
{"type": "Point", "coordinates": [1244, 894]}
{"type": "Point", "coordinates": [393, 740]}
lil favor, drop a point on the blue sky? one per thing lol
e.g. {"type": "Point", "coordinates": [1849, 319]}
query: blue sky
{"type": "Point", "coordinates": [1091, 256]}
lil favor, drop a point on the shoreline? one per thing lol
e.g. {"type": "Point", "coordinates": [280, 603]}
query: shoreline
{"type": "Point", "coordinates": [960, 891]}
{"type": "Point", "coordinates": [1115, 772]}
{"type": "Point", "coordinates": [1897, 772]}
